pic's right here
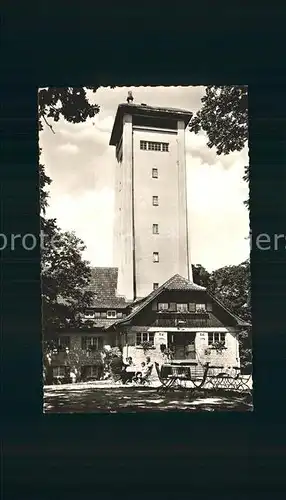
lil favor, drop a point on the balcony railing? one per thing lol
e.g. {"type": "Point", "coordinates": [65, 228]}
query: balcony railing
{"type": "Point", "coordinates": [167, 319]}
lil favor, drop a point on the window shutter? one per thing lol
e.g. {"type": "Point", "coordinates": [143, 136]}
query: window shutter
{"type": "Point", "coordinates": [154, 306]}
{"type": "Point", "coordinates": [83, 343]}
{"type": "Point", "coordinates": [209, 306]}
{"type": "Point", "coordinates": [192, 307]}
{"type": "Point", "coordinates": [131, 339]}
{"type": "Point", "coordinates": [172, 306]}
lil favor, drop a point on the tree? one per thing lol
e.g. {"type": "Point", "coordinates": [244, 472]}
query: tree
{"type": "Point", "coordinates": [223, 117]}
{"type": "Point", "coordinates": [65, 279]}
{"type": "Point", "coordinates": [65, 275]}
{"type": "Point", "coordinates": [200, 275]}
{"type": "Point", "coordinates": [70, 103]}
{"type": "Point", "coordinates": [231, 285]}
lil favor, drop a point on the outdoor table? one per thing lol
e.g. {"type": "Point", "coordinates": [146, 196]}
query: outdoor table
{"type": "Point", "coordinates": [176, 373]}
{"type": "Point", "coordinates": [218, 378]}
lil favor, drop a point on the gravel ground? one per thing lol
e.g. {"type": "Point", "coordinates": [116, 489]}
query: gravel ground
{"type": "Point", "coordinates": [106, 398]}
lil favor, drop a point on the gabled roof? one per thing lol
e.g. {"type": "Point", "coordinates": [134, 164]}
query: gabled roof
{"type": "Point", "coordinates": [240, 322]}
{"type": "Point", "coordinates": [176, 283]}
{"type": "Point", "coordinates": [103, 284]}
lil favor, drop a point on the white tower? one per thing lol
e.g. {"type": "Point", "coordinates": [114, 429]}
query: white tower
{"type": "Point", "coordinates": [151, 223]}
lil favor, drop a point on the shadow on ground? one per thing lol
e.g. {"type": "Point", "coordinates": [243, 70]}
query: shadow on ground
{"type": "Point", "coordinates": [130, 399]}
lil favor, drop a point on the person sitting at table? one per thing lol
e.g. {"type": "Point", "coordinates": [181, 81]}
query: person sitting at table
{"type": "Point", "coordinates": [143, 375]}
{"type": "Point", "coordinates": [129, 370]}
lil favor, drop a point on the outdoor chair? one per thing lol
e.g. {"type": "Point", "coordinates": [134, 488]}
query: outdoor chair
{"type": "Point", "coordinates": [170, 381]}
{"type": "Point", "coordinates": [146, 379]}
{"type": "Point", "coordinates": [225, 381]}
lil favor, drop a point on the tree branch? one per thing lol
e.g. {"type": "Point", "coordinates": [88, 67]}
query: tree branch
{"type": "Point", "coordinates": [50, 126]}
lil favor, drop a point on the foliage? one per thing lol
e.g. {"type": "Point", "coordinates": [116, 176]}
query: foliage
{"type": "Point", "coordinates": [200, 275]}
{"type": "Point", "coordinates": [70, 103]}
{"type": "Point", "coordinates": [65, 275]}
{"type": "Point", "coordinates": [168, 353]}
{"type": "Point", "coordinates": [147, 345]}
{"type": "Point", "coordinates": [65, 278]}
{"type": "Point", "coordinates": [74, 358]}
{"type": "Point", "coordinates": [44, 181]}
{"type": "Point", "coordinates": [223, 117]}
{"type": "Point", "coordinates": [246, 179]}
{"type": "Point", "coordinates": [231, 286]}
{"type": "Point", "coordinates": [218, 346]}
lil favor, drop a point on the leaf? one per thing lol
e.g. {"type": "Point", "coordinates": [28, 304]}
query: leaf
{"type": "Point", "coordinates": [224, 119]}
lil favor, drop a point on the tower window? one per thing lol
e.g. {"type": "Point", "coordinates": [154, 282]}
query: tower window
{"type": "Point", "coordinates": [154, 146]}
{"type": "Point", "coordinates": [155, 229]}
{"type": "Point", "coordinates": [155, 286]}
{"type": "Point", "coordinates": [155, 256]}
{"type": "Point", "coordinates": [155, 173]}
{"type": "Point", "coordinates": [155, 201]}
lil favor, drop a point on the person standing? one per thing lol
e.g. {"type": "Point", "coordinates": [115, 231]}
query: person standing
{"type": "Point", "coordinates": [73, 377]}
{"type": "Point", "coordinates": [149, 364]}
{"type": "Point", "coordinates": [129, 372]}
{"type": "Point", "coordinates": [116, 366]}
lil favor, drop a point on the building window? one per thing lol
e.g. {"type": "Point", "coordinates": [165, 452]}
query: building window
{"type": "Point", "coordinates": [97, 314]}
{"type": "Point", "coordinates": [163, 306]}
{"type": "Point", "coordinates": [89, 314]}
{"type": "Point", "coordinates": [155, 173]}
{"type": "Point", "coordinates": [155, 286]}
{"type": "Point", "coordinates": [111, 314]}
{"type": "Point", "coordinates": [155, 229]}
{"type": "Point", "coordinates": [103, 314]}
{"type": "Point", "coordinates": [144, 337]}
{"type": "Point", "coordinates": [182, 308]}
{"type": "Point", "coordinates": [95, 343]}
{"type": "Point", "coordinates": [154, 146]}
{"type": "Point", "coordinates": [155, 256]}
{"type": "Point", "coordinates": [59, 371]}
{"type": "Point", "coordinates": [64, 341]}
{"type": "Point", "coordinates": [214, 337]}
{"type": "Point", "coordinates": [119, 315]}
{"type": "Point", "coordinates": [200, 308]}
{"type": "Point", "coordinates": [155, 201]}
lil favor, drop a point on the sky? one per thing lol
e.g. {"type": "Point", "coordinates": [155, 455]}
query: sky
{"type": "Point", "coordinates": [81, 164]}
